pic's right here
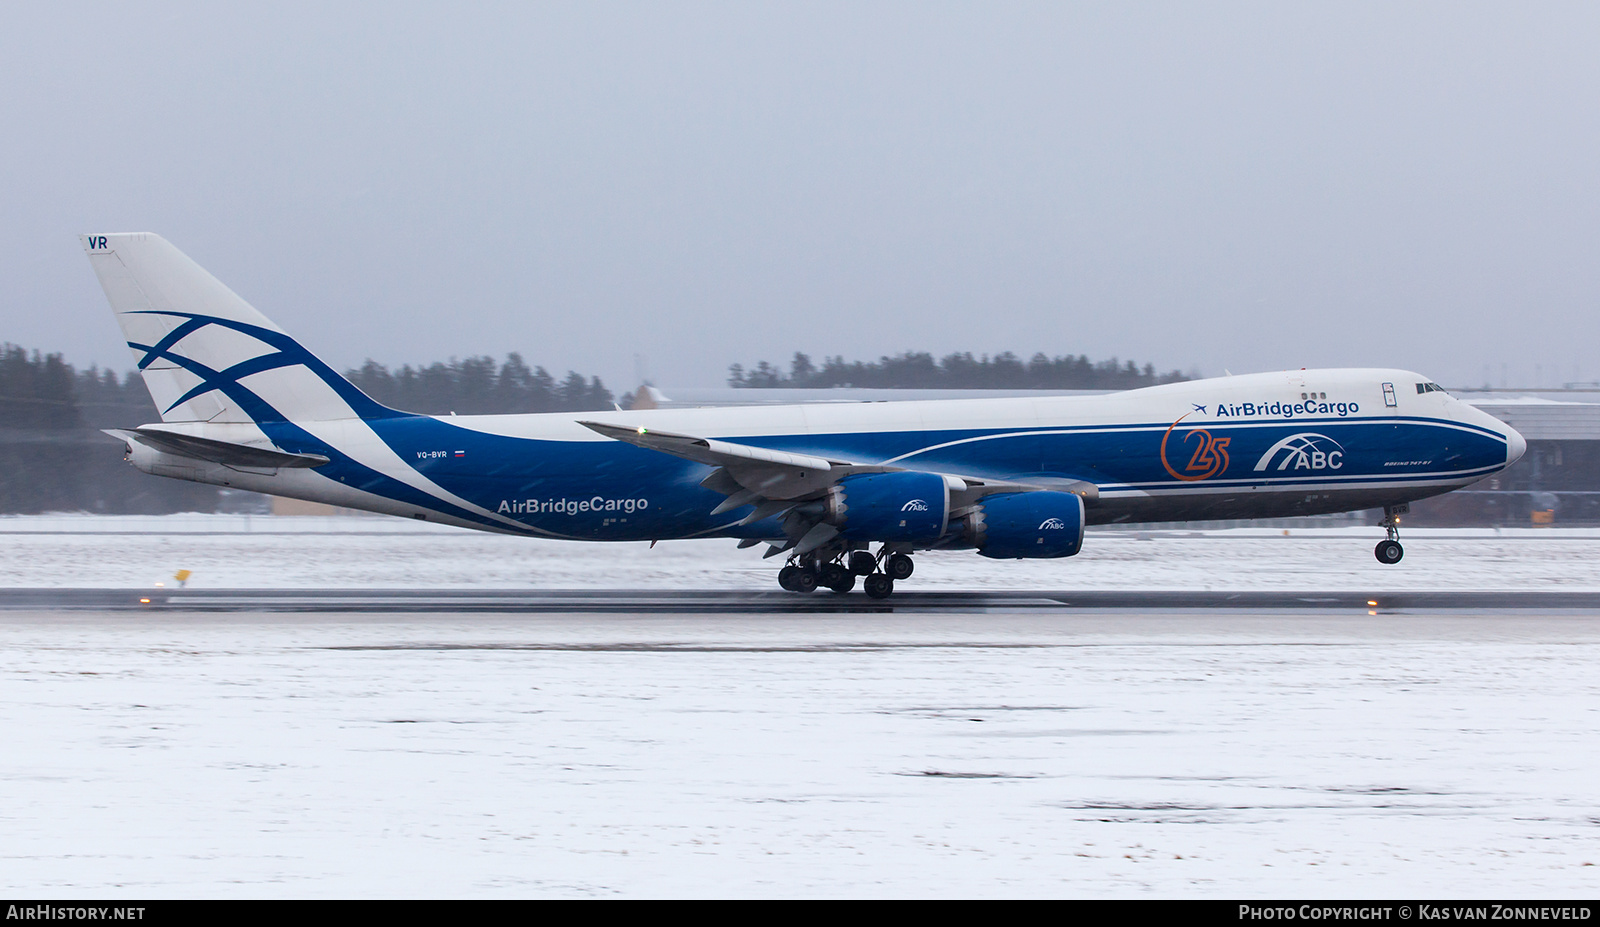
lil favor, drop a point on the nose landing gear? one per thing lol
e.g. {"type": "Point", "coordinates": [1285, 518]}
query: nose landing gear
{"type": "Point", "coordinates": [1390, 551]}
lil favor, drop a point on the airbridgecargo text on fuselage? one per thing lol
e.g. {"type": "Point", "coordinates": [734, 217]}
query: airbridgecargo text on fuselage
{"type": "Point", "coordinates": [570, 506]}
{"type": "Point", "coordinates": [1285, 409]}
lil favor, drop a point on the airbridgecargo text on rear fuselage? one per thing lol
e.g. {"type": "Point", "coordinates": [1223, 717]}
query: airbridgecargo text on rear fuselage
{"type": "Point", "coordinates": [1285, 409]}
{"type": "Point", "coordinates": [570, 506]}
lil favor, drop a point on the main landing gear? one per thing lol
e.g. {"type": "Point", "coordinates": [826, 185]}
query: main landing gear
{"type": "Point", "coordinates": [839, 571]}
{"type": "Point", "coordinates": [1390, 551]}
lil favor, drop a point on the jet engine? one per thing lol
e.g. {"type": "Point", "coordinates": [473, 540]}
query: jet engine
{"type": "Point", "coordinates": [1031, 525]}
{"type": "Point", "coordinates": [904, 506]}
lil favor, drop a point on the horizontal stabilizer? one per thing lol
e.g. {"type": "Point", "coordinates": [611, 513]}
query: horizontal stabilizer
{"type": "Point", "coordinates": [223, 452]}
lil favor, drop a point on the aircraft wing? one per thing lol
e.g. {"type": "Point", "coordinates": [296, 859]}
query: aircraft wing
{"type": "Point", "coordinates": [776, 481]}
{"type": "Point", "coordinates": [709, 450]}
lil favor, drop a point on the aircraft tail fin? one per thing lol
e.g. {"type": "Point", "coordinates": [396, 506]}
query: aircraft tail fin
{"type": "Point", "coordinates": [205, 354]}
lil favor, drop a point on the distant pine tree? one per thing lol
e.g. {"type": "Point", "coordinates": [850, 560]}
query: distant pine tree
{"type": "Point", "coordinates": [53, 457]}
{"type": "Point", "coordinates": [40, 433]}
{"type": "Point", "coordinates": [918, 370]}
{"type": "Point", "coordinates": [478, 386]}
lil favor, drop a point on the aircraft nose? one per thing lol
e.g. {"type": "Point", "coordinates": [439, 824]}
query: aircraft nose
{"type": "Point", "coordinates": [1516, 446]}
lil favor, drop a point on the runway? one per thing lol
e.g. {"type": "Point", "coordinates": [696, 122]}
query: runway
{"type": "Point", "coordinates": [744, 601]}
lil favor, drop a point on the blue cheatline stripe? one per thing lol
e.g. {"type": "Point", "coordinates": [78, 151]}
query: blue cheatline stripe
{"type": "Point", "coordinates": [1193, 426]}
{"type": "Point", "coordinates": [1168, 489]}
{"type": "Point", "coordinates": [1447, 476]}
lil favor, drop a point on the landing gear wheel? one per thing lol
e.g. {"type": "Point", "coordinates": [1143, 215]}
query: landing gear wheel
{"type": "Point", "coordinates": [900, 567]}
{"type": "Point", "coordinates": [805, 580]}
{"type": "Point", "coordinates": [878, 586]}
{"type": "Point", "coordinates": [863, 563]}
{"type": "Point", "coordinates": [1390, 551]}
{"type": "Point", "coordinates": [786, 577]}
{"type": "Point", "coordinates": [837, 578]}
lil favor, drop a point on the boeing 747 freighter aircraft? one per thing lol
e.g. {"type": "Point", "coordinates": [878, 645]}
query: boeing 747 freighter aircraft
{"type": "Point", "coordinates": [843, 490]}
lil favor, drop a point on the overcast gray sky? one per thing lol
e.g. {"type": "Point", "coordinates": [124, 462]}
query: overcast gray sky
{"type": "Point", "coordinates": [1212, 186]}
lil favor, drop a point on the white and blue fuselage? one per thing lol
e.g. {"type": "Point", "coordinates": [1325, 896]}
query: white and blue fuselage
{"type": "Point", "coordinates": [1235, 447]}
{"type": "Point", "coordinates": [245, 405]}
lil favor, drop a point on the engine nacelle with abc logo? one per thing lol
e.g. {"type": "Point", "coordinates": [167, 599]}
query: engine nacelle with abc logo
{"type": "Point", "coordinates": [1027, 525]}
{"type": "Point", "coordinates": [908, 506]}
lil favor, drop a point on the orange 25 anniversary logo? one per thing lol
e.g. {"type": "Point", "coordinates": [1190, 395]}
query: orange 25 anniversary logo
{"type": "Point", "coordinates": [1210, 454]}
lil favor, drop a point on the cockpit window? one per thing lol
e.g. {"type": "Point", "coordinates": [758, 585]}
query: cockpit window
{"type": "Point", "coordinates": [1429, 388]}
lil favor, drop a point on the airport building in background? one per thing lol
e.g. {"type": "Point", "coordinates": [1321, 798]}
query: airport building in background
{"type": "Point", "coordinates": [1556, 482]}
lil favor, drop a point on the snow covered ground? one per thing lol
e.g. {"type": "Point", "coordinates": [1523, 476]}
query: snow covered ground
{"type": "Point", "coordinates": [238, 551]}
{"type": "Point", "coordinates": [882, 755]}
{"type": "Point", "coordinates": [904, 755]}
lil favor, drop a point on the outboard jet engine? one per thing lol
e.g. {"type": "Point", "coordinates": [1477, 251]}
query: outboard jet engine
{"type": "Point", "coordinates": [1031, 525]}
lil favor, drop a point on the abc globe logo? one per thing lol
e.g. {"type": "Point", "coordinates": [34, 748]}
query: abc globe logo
{"type": "Point", "coordinates": [1304, 451]}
